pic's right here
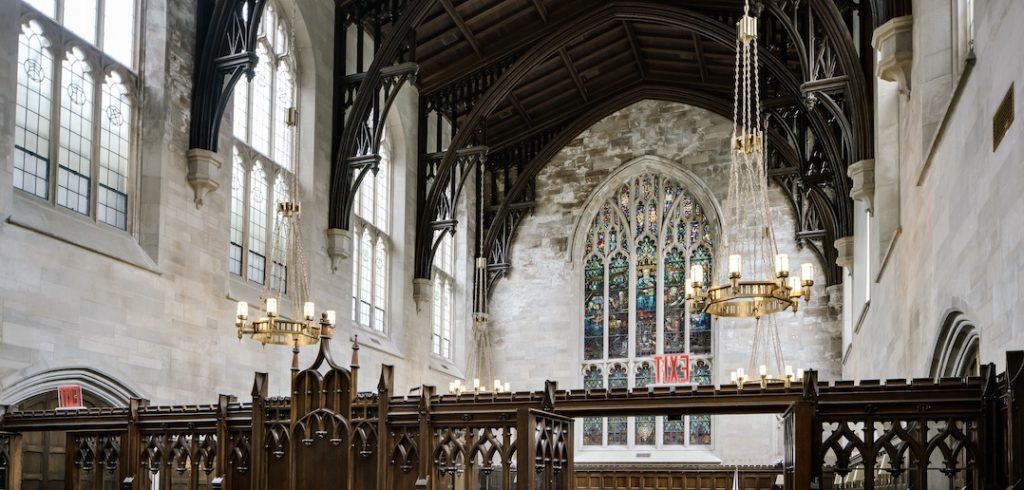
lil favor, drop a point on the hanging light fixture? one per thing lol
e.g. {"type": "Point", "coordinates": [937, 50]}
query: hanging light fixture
{"type": "Point", "coordinates": [756, 279]}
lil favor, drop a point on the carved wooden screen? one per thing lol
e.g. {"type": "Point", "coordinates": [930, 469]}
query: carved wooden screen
{"type": "Point", "coordinates": [321, 407]}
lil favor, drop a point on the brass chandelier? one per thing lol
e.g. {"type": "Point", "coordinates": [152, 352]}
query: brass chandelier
{"type": "Point", "coordinates": [758, 281]}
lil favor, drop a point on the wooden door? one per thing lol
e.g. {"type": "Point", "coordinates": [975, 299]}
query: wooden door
{"type": "Point", "coordinates": [42, 453]}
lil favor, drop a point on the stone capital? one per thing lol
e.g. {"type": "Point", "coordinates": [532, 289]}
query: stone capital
{"type": "Point", "coordinates": [422, 292]}
{"type": "Point", "coordinates": [863, 175]}
{"type": "Point", "coordinates": [339, 246]}
{"type": "Point", "coordinates": [844, 258]}
{"type": "Point", "coordinates": [203, 173]}
{"type": "Point", "coordinates": [894, 42]}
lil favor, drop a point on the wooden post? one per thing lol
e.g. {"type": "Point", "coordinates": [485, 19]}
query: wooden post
{"type": "Point", "coordinates": [526, 450]}
{"type": "Point", "coordinates": [1015, 417]}
{"type": "Point", "coordinates": [131, 448]}
{"type": "Point", "coordinates": [426, 443]}
{"type": "Point", "coordinates": [387, 380]}
{"type": "Point", "coordinates": [223, 439]}
{"type": "Point", "coordinates": [70, 471]}
{"type": "Point", "coordinates": [803, 436]}
{"type": "Point", "coordinates": [13, 470]}
{"type": "Point", "coordinates": [257, 456]}
{"type": "Point", "coordinates": [991, 470]}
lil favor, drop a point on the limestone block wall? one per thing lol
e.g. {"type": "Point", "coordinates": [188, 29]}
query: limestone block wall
{"type": "Point", "coordinates": [153, 308]}
{"type": "Point", "coordinates": [537, 310]}
{"type": "Point", "coordinates": [960, 245]}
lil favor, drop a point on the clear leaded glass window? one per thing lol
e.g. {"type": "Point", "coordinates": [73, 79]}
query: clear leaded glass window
{"type": "Point", "coordinates": [638, 250]}
{"type": "Point", "coordinates": [371, 244]}
{"type": "Point", "coordinates": [263, 157]}
{"type": "Point", "coordinates": [443, 321]}
{"type": "Point", "coordinates": [74, 114]}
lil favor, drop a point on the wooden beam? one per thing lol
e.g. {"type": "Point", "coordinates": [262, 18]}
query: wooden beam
{"type": "Point", "coordinates": [520, 109]}
{"type": "Point", "coordinates": [542, 11]}
{"type": "Point", "coordinates": [575, 74]}
{"type": "Point", "coordinates": [463, 28]}
{"type": "Point", "coordinates": [635, 47]}
{"type": "Point", "coordinates": [698, 48]}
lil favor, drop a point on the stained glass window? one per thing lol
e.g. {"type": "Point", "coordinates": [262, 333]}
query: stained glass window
{"type": "Point", "coordinates": [263, 159]}
{"type": "Point", "coordinates": [93, 127]}
{"type": "Point", "coordinates": [593, 427]}
{"type": "Point", "coordinates": [638, 250]}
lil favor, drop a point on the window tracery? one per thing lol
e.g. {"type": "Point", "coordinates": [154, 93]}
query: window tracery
{"type": "Point", "coordinates": [637, 252]}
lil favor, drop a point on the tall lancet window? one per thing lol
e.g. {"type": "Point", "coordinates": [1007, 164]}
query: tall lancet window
{"type": "Point", "coordinates": [263, 157]}
{"type": "Point", "coordinates": [638, 250]}
{"type": "Point", "coordinates": [74, 110]}
{"type": "Point", "coordinates": [371, 244]}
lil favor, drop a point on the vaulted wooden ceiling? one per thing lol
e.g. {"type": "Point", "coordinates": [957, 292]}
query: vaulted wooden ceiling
{"type": "Point", "coordinates": [519, 78]}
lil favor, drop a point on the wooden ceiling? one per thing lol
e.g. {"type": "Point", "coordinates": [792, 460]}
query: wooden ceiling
{"type": "Point", "coordinates": [460, 38]}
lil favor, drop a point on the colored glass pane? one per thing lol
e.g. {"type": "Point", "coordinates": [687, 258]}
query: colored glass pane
{"type": "Point", "coordinates": [593, 305]}
{"type": "Point", "coordinates": [646, 295]}
{"type": "Point", "coordinates": [618, 307]}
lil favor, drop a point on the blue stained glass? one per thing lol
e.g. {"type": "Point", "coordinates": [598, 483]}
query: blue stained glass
{"type": "Point", "coordinates": [618, 378]}
{"type": "Point", "coordinates": [700, 323]}
{"type": "Point", "coordinates": [617, 431]}
{"type": "Point", "coordinates": [644, 375]}
{"type": "Point", "coordinates": [613, 240]}
{"type": "Point", "coordinates": [701, 372]}
{"type": "Point", "coordinates": [646, 307]}
{"type": "Point", "coordinates": [593, 379]}
{"type": "Point", "coordinates": [624, 203]}
{"type": "Point", "coordinates": [641, 212]}
{"type": "Point", "coordinates": [674, 432]}
{"type": "Point", "coordinates": [645, 430]}
{"type": "Point", "coordinates": [700, 430]}
{"type": "Point", "coordinates": [670, 195]}
{"type": "Point", "coordinates": [592, 431]}
{"type": "Point", "coordinates": [606, 216]}
{"type": "Point", "coordinates": [618, 307]}
{"type": "Point", "coordinates": [675, 302]}
{"type": "Point", "coordinates": [593, 324]}
{"type": "Point", "coordinates": [687, 206]}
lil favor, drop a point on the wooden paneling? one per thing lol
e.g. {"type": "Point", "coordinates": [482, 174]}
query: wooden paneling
{"type": "Point", "coordinates": [691, 478]}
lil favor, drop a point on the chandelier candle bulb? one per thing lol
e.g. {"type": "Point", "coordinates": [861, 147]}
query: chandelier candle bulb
{"type": "Point", "coordinates": [762, 370]}
{"type": "Point", "coordinates": [243, 310]}
{"type": "Point", "coordinates": [497, 385]}
{"type": "Point", "coordinates": [329, 316]}
{"type": "Point", "coordinates": [697, 273]}
{"type": "Point", "coordinates": [807, 272]}
{"type": "Point", "coordinates": [508, 387]}
{"type": "Point", "coordinates": [800, 374]}
{"type": "Point", "coordinates": [735, 265]}
{"type": "Point", "coordinates": [476, 384]}
{"type": "Point", "coordinates": [308, 311]}
{"type": "Point", "coordinates": [782, 265]}
{"type": "Point", "coordinates": [271, 306]}
{"type": "Point", "coordinates": [789, 371]}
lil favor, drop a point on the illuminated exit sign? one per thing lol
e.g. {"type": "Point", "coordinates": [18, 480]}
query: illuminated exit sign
{"type": "Point", "coordinates": [671, 369]}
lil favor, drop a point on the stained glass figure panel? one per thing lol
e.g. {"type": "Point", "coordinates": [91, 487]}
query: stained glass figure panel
{"type": "Point", "coordinates": [675, 302]}
{"type": "Point", "coordinates": [618, 378]}
{"type": "Point", "coordinates": [593, 431]}
{"type": "Point", "coordinates": [700, 430]}
{"type": "Point", "coordinates": [593, 306]}
{"type": "Point", "coordinates": [700, 323]}
{"type": "Point", "coordinates": [618, 307]}
{"type": "Point", "coordinates": [646, 299]}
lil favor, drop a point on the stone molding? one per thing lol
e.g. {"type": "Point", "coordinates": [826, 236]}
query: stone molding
{"type": "Point", "coordinates": [203, 173]}
{"type": "Point", "coordinates": [894, 42]}
{"type": "Point", "coordinates": [863, 175]}
{"type": "Point", "coordinates": [422, 292]}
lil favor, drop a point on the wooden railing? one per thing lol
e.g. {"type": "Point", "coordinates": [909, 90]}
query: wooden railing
{"type": "Point", "coordinates": [867, 435]}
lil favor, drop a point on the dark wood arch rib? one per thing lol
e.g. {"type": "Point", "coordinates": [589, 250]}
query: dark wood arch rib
{"type": "Point", "coordinates": [582, 26]}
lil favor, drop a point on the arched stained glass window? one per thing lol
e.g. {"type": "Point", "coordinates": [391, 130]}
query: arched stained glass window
{"type": "Point", "coordinates": [637, 252]}
{"type": "Point", "coordinates": [78, 55]}
{"type": "Point", "coordinates": [263, 158]}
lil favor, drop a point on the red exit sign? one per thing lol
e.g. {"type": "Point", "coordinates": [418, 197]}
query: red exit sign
{"type": "Point", "coordinates": [69, 397]}
{"type": "Point", "coordinates": [671, 369]}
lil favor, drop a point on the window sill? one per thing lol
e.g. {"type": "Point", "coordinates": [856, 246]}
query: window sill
{"type": "Point", "coordinates": [612, 454]}
{"type": "Point", "coordinates": [447, 367]}
{"type": "Point", "coordinates": [41, 217]}
{"type": "Point", "coordinates": [375, 340]}
{"type": "Point", "coordinates": [860, 318]}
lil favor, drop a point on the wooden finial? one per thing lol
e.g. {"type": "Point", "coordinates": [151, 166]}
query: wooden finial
{"type": "Point", "coordinates": [355, 351]}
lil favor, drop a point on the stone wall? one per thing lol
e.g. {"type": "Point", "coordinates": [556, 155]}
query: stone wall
{"type": "Point", "coordinates": [959, 244]}
{"type": "Point", "coordinates": [153, 308]}
{"type": "Point", "coordinates": [537, 310]}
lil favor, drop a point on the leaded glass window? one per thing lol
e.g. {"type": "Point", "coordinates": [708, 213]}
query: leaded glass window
{"type": "Point", "coordinates": [74, 102]}
{"type": "Point", "coordinates": [444, 297]}
{"type": "Point", "coordinates": [263, 158]}
{"type": "Point", "coordinates": [372, 244]}
{"type": "Point", "coordinates": [638, 249]}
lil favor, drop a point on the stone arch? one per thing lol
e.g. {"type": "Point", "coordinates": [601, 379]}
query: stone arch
{"type": "Point", "coordinates": [634, 168]}
{"type": "Point", "coordinates": [956, 351]}
{"type": "Point", "coordinates": [101, 385]}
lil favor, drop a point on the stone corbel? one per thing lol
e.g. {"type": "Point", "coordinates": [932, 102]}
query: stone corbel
{"type": "Point", "coordinates": [844, 258]}
{"type": "Point", "coordinates": [863, 175]}
{"type": "Point", "coordinates": [894, 42]}
{"type": "Point", "coordinates": [339, 246]}
{"type": "Point", "coordinates": [422, 292]}
{"type": "Point", "coordinates": [203, 173]}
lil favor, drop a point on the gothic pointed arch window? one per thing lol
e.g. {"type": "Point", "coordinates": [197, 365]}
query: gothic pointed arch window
{"type": "Point", "coordinates": [263, 155]}
{"type": "Point", "coordinates": [371, 244]}
{"type": "Point", "coordinates": [74, 112]}
{"type": "Point", "coordinates": [637, 252]}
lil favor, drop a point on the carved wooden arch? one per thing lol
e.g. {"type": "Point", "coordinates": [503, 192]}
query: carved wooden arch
{"type": "Point", "coordinates": [540, 52]}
